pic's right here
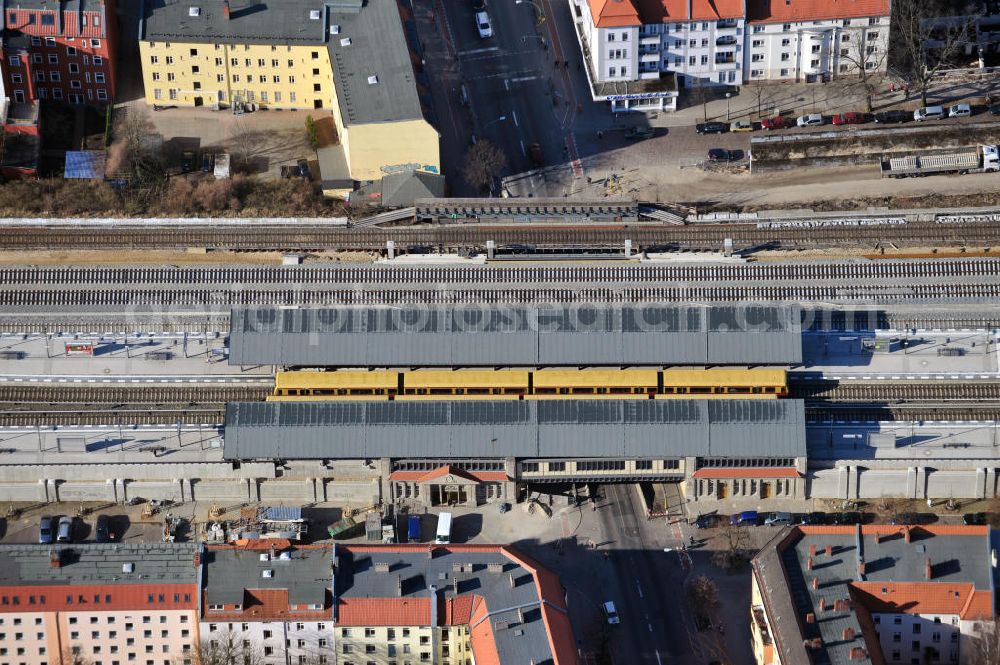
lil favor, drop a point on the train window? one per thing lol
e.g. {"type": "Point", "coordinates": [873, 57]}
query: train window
{"type": "Point", "coordinates": [446, 391]}
{"type": "Point", "coordinates": [564, 391]}
{"type": "Point", "coordinates": [701, 390]}
{"type": "Point", "coordinates": [545, 391]}
{"type": "Point", "coordinates": [478, 391]}
{"type": "Point", "coordinates": [756, 390]}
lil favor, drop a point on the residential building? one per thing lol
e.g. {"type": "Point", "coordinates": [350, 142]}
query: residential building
{"type": "Point", "coordinates": [448, 605]}
{"type": "Point", "coordinates": [815, 41]}
{"type": "Point", "coordinates": [639, 52]}
{"type": "Point", "coordinates": [271, 595]}
{"type": "Point", "coordinates": [351, 57]}
{"type": "Point", "coordinates": [880, 595]}
{"type": "Point", "coordinates": [63, 51]}
{"type": "Point", "coordinates": [121, 603]}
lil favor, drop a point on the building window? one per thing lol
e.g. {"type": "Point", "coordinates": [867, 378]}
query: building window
{"type": "Point", "coordinates": [170, 77]}
{"type": "Point", "coordinates": [50, 41]}
{"type": "Point", "coordinates": [195, 69]}
{"type": "Point", "coordinates": [757, 57]}
{"type": "Point", "coordinates": [74, 69]}
{"type": "Point", "coordinates": [644, 465]}
{"type": "Point", "coordinates": [14, 61]}
{"type": "Point", "coordinates": [71, 50]}
{"type": "Point", "coordinates": [220, 78]}
{"type": "Point", "coordinates": [315, 55]}
{"type": "Point", "coordinates": [786, 27]}
{"type": "Point", "coordinates": [95, 43]}
{"type": "Point", "coordinates": [55, 77]}
{"type": "Point", "coordinates": [172, 93]}
{"type": "Point", "coordinates": [170, 59]}
{"type": "Point", "coordinates": [291, 96]}
{"type": "Point", "coordinates": [154, 59]}
{"type": "Point", "coordinates": [156, 76]}
{"type": "Point", "coordinates": [15, 78]}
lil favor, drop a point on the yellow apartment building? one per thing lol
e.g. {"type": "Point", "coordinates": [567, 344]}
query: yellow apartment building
{"type": "Point", "coordinates": [351, 57]}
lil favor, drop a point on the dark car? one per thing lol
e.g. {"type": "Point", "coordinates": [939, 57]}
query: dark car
{"type": "Point", "coordinates": [846, 519]}
{"type": "Point", "coordinates": [187, 161]}
{"type": "Point", "coordinates": [852, 118]}
{"type": "Point", "coordinates": [809, 519]}
{"type": "Point", "coordinates": [893, 116]}
{"type": "Point", "coordinates": [102, 530]}
{"type": "Point", "coordinates": [707, 521]}
{"type": "Point", "coordinates": [207, 163]}
{"type": "Point", "coordinates": [45, 531]}
{"type": "Point", "coordinates": [746, 518]}
{"type": "Point", "coordinates": [302, 167]}
{"type": "Point", "coordinates": [535, 153]}
{"type": "Point", "coordinates": [914, 518]}
{"type": "Point", "coordinates": [711, 128]}
{"type": "Point", "coordinates": [975, 519]}
{"type": "Point", "coordinates": [723, 155]}
{"type": "Point", "coordinates": [639, 133]}
{"type": "Point", "coordinates": [777, 122]}
{"type": "Point", "coordinates": [995, 108]}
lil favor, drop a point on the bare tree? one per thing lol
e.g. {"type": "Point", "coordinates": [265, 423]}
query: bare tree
{"type": "Point", "coordinates": [762, 94]}
{"type": "Point", "coordinates": [928, 42]}
{"type": "Point", "coordinates": [866, 60]}
{"type": "Point", "coordinates": [702, 595]}
{"type": "Point", "coordinates": [736, 544]}
{"type": "Point", "coordinates": [73, 655]}
{"type": "Point", "coordinates": [227, 648]}
{"type": "Point", "coordinates": [986, 643]}
{"type": "Point", "coordinates": [483, 163]}
{"type": "Point", "coordinates": [244, 143]}
{"type": "Point", "coordinates": [130, 155]}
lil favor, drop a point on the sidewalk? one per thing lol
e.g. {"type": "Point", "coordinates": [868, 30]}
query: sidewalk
{"type": "Point", "coordinates": [751, 102]}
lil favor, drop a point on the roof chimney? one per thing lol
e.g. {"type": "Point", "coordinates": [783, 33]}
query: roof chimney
{"type": "Point", "coordinates": [510, 576]}
{"type": "Point", "coordinates": [399, 585]}
{"type": "Point", "coordinates": [829, 550]}
{"type": "Point", "coordinates": [815, 583]}
{"type": "Point", "coordinates": [809, 563]}
{"type": "Point", "coordinates": [906, 533]}
{"type": "Point", "coordinates": [858, 653]}
{"type": "Point", "coordinates": [55, 560]}
{"type": "Point", "coordinates": [812, 550]}
{"type": "Point", "coordinates": [822, 604]}
{"type": "Point", "coordinates": [848, 633]}
{"type": "Point", "coordinates": [861, 567]}
{"type": "Point", "coordinates": [927, 569]}
{"type": "Point", "coordinates": [810, 618]}
{"type": "Point", "coordinates": [197, 559]}
{"type": "Point", "coordinates": [225, 9]}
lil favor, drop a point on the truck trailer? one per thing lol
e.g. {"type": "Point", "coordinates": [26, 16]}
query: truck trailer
{"type": "Point", "coordinates": [972, 160]}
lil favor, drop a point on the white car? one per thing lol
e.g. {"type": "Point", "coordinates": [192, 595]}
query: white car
{"type": "Point", "coordinates": [611, 613]}
{"type": "Point", "coordinates": [484, 25]}
{"type": "Point", "coordinates": [810, 120]}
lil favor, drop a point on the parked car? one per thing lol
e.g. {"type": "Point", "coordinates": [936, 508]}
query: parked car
{"type": "Point", "coordinates": [975, 519]}
{"type": "Point", "coordinates": [611, 613]}
{"type": "Point", "coordinates": [45, 531]}
{"type": "Point", "coordinates": [810, 120]}
{"type": "Point", "coordinates": [929, 113]}
{"type": "Point", "coordinates": [413, 529]}
{"type": "Point", "coordinates": [723, 155]}
{"type": "Point", "coordinates": [707, 521]}
{"type": "Point", "coordinates": [65, 532]}
{"type": "Point", "coordinates": [777, 122]}
{"type": "Point", "coordinates": [102, 530]}
{"type": "Point", "coordinates": [995, 109]}
{"type": "Point", "coordinates": [638, 133]}
{"type": "Point", "coordinates": [852, 118]}
{"type": "Point", "coordinates": [484, 25]}
{"type": "Point", "coordinates": [187, 161]}
{"type": "Point", "coordinates": [535, 153]}
{"type": "Point", "coordinates": [302, 166]}
{"type": "Point", "coordinates": [741, 126]}
{"type": "Point", "coordinates": [914, 518]}
{"type": "Point", "coordinates": [846, 519]}
{"type": "Point", "coordinates": [778, 519]}
{"type": "Point", "coordinates": [746, 518]}
{"type": "Point", "coordinates": [207, 162]}
{"type": "Point", "coordinates": [893, 116]}
{"type": "Point", "coordinates": [813, 519]}
{"type": "Point", "coordinates": [711, 128]}
{"type": "Point", "coordinates": [959, 111]}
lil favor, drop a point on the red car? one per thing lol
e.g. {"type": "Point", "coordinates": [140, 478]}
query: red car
{"type": "Point", "coordinates": [852, 118]}
{"type": "Point", "coordinates": [777, 122]}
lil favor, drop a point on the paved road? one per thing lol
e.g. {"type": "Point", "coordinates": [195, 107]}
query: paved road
{"type": "Point", "coordinates": [654, 623]}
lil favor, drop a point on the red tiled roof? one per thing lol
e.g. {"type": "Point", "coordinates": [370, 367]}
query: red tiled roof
{"type": "Point", "coordinates": [481, 639]}
{"type": "Point", "coordinates": [384, 612]}
{"type": "Point", "coordinates": [458, 611]}
{"type": "Point", "coordinates": [424, 476]}
{"type": "Point", "coordinates": [925, 598]}
{"type": "Point", "coordinates": [265, 605]}
{"type": "Point", "coordinates": [747, 472]}
{"type": "Point", "coordinates": [793, 11]}
{"type": "Point", "coordinates": [614, 13]}
{"type": "Point", "coordinates": [671, 11]}
{"type": "Point", "coordinates": [124, 596]}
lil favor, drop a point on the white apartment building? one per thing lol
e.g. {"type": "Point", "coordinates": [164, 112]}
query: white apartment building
{"type": "Point", "coordinates": [639, 52]}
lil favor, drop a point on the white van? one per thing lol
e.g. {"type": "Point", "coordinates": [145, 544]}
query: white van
{"type": "Point", "coordinates": [959, 111]}
{"type": "Point", "coordinates": [929, 113]}
{"type": "Point", "coordinates": [443, 536]}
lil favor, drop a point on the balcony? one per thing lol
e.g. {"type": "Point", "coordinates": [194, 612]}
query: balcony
{"type": "Point", "coordinates": [650, 40]}
{"type": "Point", "coordinates": [649, 76]}
{"type": "Point", "coordinates": [726, 24]}
{"type": "Point", "coordinates": [649, 57]}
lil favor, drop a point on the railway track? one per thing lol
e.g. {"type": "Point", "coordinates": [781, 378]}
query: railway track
{"type": "Point", "coordinates": [89, 417]}
{"type": "Point", "coordinates": [219, 299]}
{"type": "Point", "coordinates": [54, 393]}
{"type": "Point", "coordinates": [318, 238]}
{"type": "Point", "coordinates": [902, 412]}
{"type": "Point", "coordinates": [890, 391]}
{"type": "Point", "coordinates": [14, 278]}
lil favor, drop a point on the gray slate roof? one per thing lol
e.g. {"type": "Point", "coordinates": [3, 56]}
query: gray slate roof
{"type": "Point", "coordinates": [250, 21]}
{"type": "Point", "coordinates": [153, 563]}
{"type": "Point", "coordinates": [516, 336]}
{"type": "Point", "coordinates": [359, 579]}
{"type": "Point", "coordinates": [556, 428]}
{"type": "Point", "coordinates": [228, 572]}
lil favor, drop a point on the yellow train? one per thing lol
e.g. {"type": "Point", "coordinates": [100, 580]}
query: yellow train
{"type": "Point", "coordinates": [514, 384]}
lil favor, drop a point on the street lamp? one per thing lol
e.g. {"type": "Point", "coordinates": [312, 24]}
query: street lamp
{"type": "Point", "coordinates": [538, 8]}
{"type": "Point", "coordinates": [728, 95]}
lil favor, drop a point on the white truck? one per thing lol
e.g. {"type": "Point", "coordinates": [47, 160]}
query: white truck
{"type": "Point", "coordinates": [972, 160]}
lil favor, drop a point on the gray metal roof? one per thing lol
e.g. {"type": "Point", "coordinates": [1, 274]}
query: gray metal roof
{"type": "Point", "coordinates": [153, 563]}
{"type": "Point", "coordinates": [370, 41]}
{"type": "Point", "coordinates": [525, 641]}
{"type": "Point", "coordinates": [250, 21]}
{"type": "Point", "coordinates": [784, 576]}
{"type": "Point", "coordinates": [556, 428]}
{"type": "Point", "coordinates": [516, 336]}
{"type": "Point", "coordinates": [307, 574]}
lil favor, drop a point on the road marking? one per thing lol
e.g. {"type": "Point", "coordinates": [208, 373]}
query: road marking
{"type": "Point", "coordinates": [522, 79]}
{"type": "Point", "coordinates": [477, 51]}
{"type": "Point", "coordinates": [506, 84]}
{"type": "Point", "coordinates": [657, 652]}
{"type": "Point", "coordinates": [523, 151]}
{"type": "Point", "coordinates": [574, 156]}
{"type": "Point", "coordinates": [650, 626]}
{"type": "Point", "coordinates": [637, 586]}
{"type": "Point", "coordinates": [514, 113]}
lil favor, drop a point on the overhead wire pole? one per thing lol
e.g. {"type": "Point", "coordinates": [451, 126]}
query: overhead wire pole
{"type": "Point", "coordinates": [538, 8]}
